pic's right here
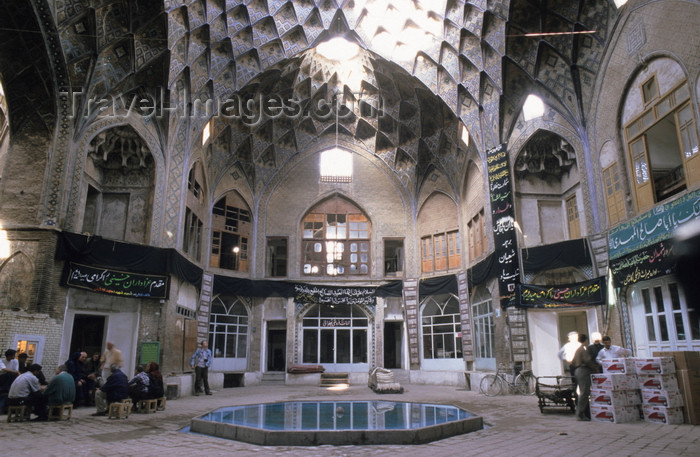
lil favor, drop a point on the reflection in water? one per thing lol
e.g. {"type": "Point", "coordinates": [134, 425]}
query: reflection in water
{"type": "Point", "coordinates": [340, 415]}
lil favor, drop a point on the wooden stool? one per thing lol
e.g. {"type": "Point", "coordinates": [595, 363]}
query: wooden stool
{"type": "Point", "coordinates": [160, 404]}
{"type": "Point", "coordinates": [60, 412]}
{"type": "Point", "coordinates": [148, 406]}
{"type": "Point", "coordinates": [19, 413]}
{"type": "Point", "coordinates": [120, 410]}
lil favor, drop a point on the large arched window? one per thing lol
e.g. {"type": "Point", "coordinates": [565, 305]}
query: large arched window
{"type": "Point", "coordinates": [228, 333]}
{"type": "Point", "coordinates": [441, 327]}
{"type": "Point", "coordinates": [336, 240]}
{"type": "Point", "coordinates": [661, 134]}
{"type": "Point", "coordinates": [335, 335]}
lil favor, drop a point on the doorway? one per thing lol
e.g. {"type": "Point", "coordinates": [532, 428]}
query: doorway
{"type": "Point", "coordinates": [88, 334]}
{"type": "Point", "coordinates": [276, 347]}
{"type": "Point", "coordinates": [392, 344]}
{"type": "Point", "coordinates": [571, 322]}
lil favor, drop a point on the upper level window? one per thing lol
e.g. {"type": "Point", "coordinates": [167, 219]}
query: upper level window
{"type": "Point", "coordinates": [207, 130]}
{"type": "Point", "coordinates": [336, 240]}
{"type": "Point", "coordinates": [477, 236]}
{"type": "Point", "coordinates": [336, 165]}
{"type": "Point", "coordinates": [193, 184]}
{"type": "Point", "coordinates": [663, 145]}
{"type": "Point", "coordinates": [440, 251]}
{"type": "Point", "coordinates": [533, 107]}
{"type": "Point", "coordinates": [231, 229]}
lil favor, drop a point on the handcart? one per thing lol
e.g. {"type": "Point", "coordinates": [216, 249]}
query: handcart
{"type": "Point", "coordinates": [556, 392]}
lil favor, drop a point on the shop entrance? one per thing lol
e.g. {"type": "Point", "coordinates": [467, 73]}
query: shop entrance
{"type": "Point", "coordinates": [276, 347]}
{"type": "Point", "coordinates": [392, 344]}
{"type": "Point", "coordinates": [88, 333]}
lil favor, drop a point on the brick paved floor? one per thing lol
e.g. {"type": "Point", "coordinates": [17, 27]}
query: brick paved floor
{"type": "Point", "coordinates": [515, 428]}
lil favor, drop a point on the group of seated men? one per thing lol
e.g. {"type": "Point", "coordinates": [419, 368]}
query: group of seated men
{"type": "Point", "coordinates": [61, 390]}
{"type": "Point", "coordinates": [146, 384]}
{"type": "Point", "coordinates": [26, 390]}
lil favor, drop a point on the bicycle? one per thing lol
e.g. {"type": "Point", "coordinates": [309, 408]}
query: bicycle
{"type": "Point", "coordinates": [493, 384]}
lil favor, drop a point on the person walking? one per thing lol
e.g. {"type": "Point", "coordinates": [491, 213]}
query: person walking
{"type": "Point", "coordinates": [201, 361]}
{"type": "Point", "coordinates": [583, 367]}
{"type": "Point", "coordinates": [111, 356]}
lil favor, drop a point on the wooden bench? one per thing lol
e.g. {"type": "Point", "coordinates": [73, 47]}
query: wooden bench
{"type": "Point", "coordinates": [160, 406]}
{"type": "Point", "coordinates": [120, 410]}
{"type": "Point", "coordinates": [18, 413]}
{"type": "Point", "coordinates": [148, 406]}
{"type": "Point", "coordinates": [60, 412]}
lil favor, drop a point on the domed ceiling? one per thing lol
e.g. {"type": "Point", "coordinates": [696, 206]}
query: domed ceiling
{"type": "Point", "coordinates": [431, 64]}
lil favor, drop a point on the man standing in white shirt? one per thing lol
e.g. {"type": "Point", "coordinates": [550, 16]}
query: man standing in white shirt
{"type": "Point", "coordinates": [611, 351]}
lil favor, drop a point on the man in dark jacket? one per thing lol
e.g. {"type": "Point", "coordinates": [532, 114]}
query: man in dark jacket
{"type": "Point", "coordinates": [115, 389]}
{"type": "Point", "coordinates": [75, 367]}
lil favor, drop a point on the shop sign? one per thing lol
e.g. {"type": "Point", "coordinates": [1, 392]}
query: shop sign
{"type": "Point", "coordinates": [653, 226]}
{"type": "Point", "coordinates": [586, 293]}
{"type": "Point", "coordinates": [648, 263]}
{"type": "Point", "coordinates": [116, 282]}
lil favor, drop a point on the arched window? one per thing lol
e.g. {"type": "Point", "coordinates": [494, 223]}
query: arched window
{"type": "Point", "coordinates": [336, 240]}
{"type": "Point", "coordinates": [231, 228]}
{"type": "Point", "coordinates": [661, 134]}
{"type": "Point", "coordinates": [228, 333]}
{"type": "Point", "coordinates": [335, 334]}
{"type": "Point", "coordinates": [442, 331]}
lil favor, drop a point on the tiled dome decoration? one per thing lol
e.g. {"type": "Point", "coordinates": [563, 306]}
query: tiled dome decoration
{"type": "Point", "coordinates": [391, 114]}
{"type": "Point", "coordinates": [466, 53]}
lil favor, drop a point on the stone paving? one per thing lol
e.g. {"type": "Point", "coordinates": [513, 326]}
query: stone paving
{"type": "Point", "coordinates": [515, 427]}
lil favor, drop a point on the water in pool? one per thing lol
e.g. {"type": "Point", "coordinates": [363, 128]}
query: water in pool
{"type": "Point", "coordinates": [337, 415]}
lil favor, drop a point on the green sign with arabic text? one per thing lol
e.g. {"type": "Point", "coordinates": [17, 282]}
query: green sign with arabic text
{"type": "Point", "coordinates": [653, 226]}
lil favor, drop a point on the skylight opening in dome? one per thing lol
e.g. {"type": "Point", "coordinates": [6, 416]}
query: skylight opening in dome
{"type": "Point", "coordinates": [338, 49]}
{"type": "Point", "coordinates": [533, 107]}
{"type": "Point", "coordinates": [336, 165]}
{"type": "Point", "coordinates": [619, 3]}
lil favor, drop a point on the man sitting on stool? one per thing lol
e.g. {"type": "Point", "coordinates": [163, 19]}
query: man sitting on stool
{"type": "Point", "coordinates": [25, 390]}
{"type": "Point", "coordinates": [61, 389]}
{"type": "Point", "coordinates": [115, 389]}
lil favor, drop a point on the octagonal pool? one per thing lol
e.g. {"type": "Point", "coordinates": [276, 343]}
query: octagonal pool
{"type": "Point", "coordinates": [310, 423]}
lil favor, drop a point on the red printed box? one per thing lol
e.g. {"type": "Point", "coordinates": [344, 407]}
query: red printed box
{"type": "Point", "coordinates": [624, 366]}
{"type": "Point", "coordinates": [615, 414]}
{"type": "Point", "coordinates": [668, 398]}
{"type": "Point", "coordinates": [614, 397]}
{"type": "Point", "coordinates": [662, 414]}
{"type": "Point", "coordinates": [655, 365]}
{"type": "Point", "coordinates": [613, 381]}
{"type": "Point", "coordinates": [658, 381]}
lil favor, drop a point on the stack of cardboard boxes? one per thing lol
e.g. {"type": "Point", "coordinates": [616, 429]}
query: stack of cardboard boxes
{"type": "Point", "coordinates": [687, 365]}
{"type": "Point", "coordinates": [615, 392]}
{"type": "Point", "coordinates": [661, 399]}
{"type": "Point", "coordinates": [663, 389]}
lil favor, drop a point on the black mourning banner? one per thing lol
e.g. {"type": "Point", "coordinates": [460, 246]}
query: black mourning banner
{"type": "Point", "coordinates": [586, 293]}
{"type": "Point", "coordinates": [325, 295]}
{"type": "Point", "coordinates": [115, 282]}
{"type": "Point", "coordinates": [503, 224]}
